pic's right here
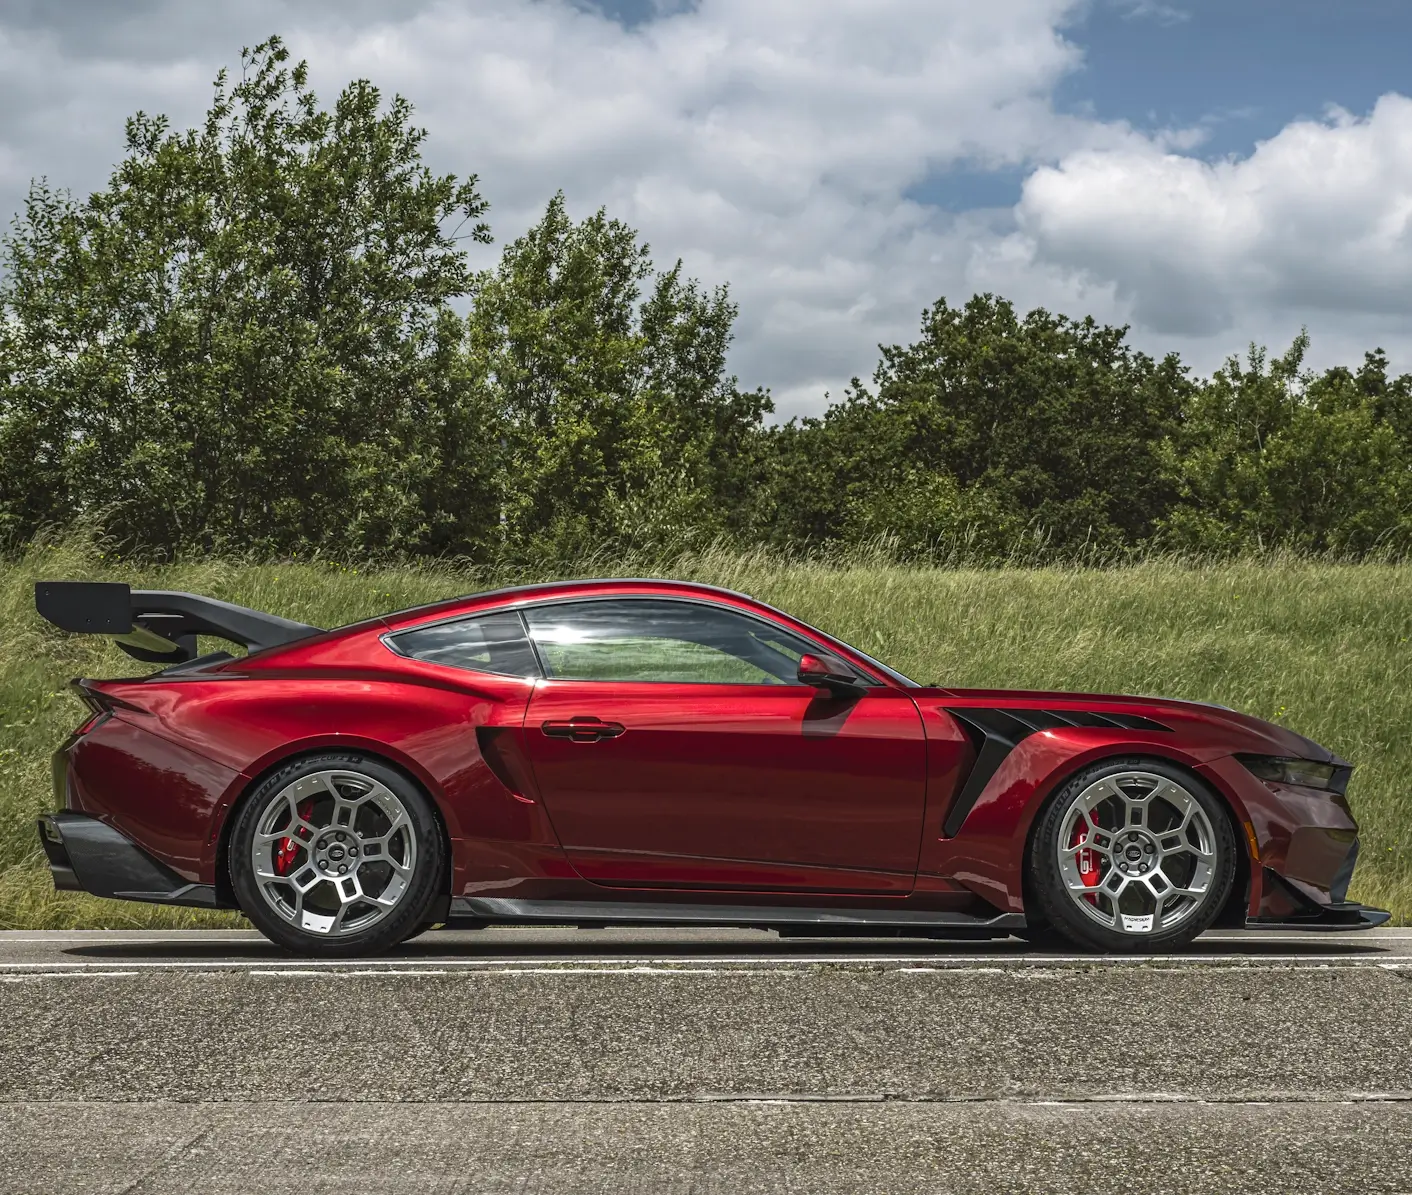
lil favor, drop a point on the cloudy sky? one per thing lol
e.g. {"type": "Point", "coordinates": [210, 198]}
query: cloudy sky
{"type": "Point", "coordinates": [1212, 172]}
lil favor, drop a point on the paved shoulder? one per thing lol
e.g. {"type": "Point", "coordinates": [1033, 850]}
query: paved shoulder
{"type": "Point", "coordinates": [738, 1149]}
{"type": "Point", "coordinates": [708, 1062]}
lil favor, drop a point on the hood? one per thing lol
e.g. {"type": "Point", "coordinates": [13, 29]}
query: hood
{"type": "Point", "coordinates": [1258, 736]}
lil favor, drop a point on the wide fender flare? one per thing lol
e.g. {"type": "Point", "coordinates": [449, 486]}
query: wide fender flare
{"type": "Point", "coordinates": [988, 852]}
{"type": "Point", "coordinates": [314, 744]}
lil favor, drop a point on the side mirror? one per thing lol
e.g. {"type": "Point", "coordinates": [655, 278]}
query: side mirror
{"type": "Point", "coordinates": [831, 673]}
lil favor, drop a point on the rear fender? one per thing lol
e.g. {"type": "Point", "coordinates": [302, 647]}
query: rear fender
{"type": "Point", "coordinates": [224, 820]}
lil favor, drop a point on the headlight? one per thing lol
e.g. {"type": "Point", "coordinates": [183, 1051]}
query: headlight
{"type": "Point", "coordinates": [1304, 773]}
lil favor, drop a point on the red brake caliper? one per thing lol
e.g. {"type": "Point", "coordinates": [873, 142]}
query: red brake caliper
{"type": "Point", "coordinates": [1086, 860]}
{"type": "Point", "coordinates": [289, 847]}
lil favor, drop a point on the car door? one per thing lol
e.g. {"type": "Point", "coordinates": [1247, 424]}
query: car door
{"type": "Point", "coordinates": [673, 746]}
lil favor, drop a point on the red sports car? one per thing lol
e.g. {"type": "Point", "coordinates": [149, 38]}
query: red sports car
{"type": "Point", "coordinates": [658, 752]}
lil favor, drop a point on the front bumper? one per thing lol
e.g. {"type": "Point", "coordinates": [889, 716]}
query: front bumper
{"type": "Point", "coordinates": [1303, 848]}
{"type": "Point", "coordinates": [87, 855]}
{"type": "Point", "coordinates": [1348, 915]}
{"type": "Point", "coordinates": [1287, 904]}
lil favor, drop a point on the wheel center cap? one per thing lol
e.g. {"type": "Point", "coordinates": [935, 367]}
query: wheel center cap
{"type": "Point", "coordinates": [1135, 854]}
{"type": "Point", "coordinates": [336, 854]}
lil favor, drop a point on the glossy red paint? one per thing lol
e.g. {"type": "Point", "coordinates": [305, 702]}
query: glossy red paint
{"type": "Point", "coordinates": [751, 787]}
{"type": "Point", "coordinates": [697, 792]}
{"type": "Point", "coordinates": [156, 791]}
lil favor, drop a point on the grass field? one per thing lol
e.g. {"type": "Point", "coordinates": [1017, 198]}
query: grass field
{"type": "Point", "coordinates": [1325, 649]}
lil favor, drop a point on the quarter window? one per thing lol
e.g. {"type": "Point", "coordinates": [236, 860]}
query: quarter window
{"type": "Point", "coordinates": [644, 639]}
{"type": "Point", "coordinates": [487, 643]}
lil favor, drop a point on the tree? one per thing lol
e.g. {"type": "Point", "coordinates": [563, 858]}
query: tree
{"type": "Point", "coordinates": [616, 421]}
{"type": "Point", "coordinates": [1271, 455]}
{"type": "Point", "coordinates": [987, 428]}
{"type": "Point", "coordinates": [236, 343]}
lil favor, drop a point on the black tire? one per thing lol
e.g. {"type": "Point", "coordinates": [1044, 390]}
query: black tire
{"type": "Point", "coordinates": [422, 864]}
{"type": "Point", "coordinates": [1059, 911]}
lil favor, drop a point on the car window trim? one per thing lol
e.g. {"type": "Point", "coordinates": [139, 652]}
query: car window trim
{"type": "Point", "coordinates": [827, 642]}
{"type": "Point", "coordinates": [389, 640]}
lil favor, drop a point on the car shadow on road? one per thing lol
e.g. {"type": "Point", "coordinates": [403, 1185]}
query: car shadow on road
{"type": "Point", "coordinates": [462, 945]}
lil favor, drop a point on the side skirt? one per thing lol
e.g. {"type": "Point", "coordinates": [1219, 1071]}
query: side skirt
{"type": "Point", "coordinates": [500, 911]}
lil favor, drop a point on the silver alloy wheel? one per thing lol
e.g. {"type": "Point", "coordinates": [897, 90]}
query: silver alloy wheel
{"type": "Point", "coordinates": [334, 852]}
{"type": "Point", "coordinates": [1136, 852]}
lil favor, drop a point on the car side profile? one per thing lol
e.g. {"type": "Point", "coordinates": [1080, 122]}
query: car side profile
{"type": "Point", "coordinates": [659, 752]}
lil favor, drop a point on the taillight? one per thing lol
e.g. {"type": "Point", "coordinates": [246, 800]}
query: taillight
{"type": "Point", "coordinates": [94, 721]}
{"type": "Point", "coordinates": [99, 707]}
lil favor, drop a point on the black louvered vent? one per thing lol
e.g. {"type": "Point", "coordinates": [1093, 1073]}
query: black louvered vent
{"type": "Point", "coordinates": [995, 733]}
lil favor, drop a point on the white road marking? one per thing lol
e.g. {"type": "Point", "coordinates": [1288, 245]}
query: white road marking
{"type": "Point", "coordinates": [667, 965]}
{"type": "Point", "coordinates": [501, 934]}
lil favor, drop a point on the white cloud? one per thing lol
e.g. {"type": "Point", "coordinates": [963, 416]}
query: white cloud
{"type": "Point", "coordinates": [774, 146]}
{"type": "Point", "coordinates": [1317, 221]}
{"type": "Point", "coordinates": [769, 145]}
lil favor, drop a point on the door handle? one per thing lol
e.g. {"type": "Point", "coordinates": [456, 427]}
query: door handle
{"type": "Point", "coordinates": [582, 729]}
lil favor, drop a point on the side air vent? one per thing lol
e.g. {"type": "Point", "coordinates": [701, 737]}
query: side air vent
{"type": "Point", "coordinates": [1051, 719]}
{"type": "Point", "coordinates": [995, 733]}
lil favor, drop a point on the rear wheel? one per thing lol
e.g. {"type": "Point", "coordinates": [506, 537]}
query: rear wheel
{"type": "Point", "coordinates": [336, 856]}
{"type": "Point", "coordinates": [1132, 854]}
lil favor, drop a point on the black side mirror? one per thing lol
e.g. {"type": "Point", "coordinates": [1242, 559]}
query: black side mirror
{"type": "Point", "coordinates": [831, 673]}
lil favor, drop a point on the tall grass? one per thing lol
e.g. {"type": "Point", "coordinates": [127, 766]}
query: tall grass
{"type": "Point", "coordinates": [1321, 647]}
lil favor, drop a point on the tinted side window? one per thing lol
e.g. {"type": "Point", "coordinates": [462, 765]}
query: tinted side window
{"type": "Point", "coordinates": [647, 639]}
{"type": "Point", "coordinates": [487, 643]}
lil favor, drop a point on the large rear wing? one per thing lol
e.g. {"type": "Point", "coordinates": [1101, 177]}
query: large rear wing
{"type": "Point", "coordinates": [159, 626]}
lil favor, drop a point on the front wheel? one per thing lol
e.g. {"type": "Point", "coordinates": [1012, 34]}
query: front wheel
{"type": "Point", "coordinates": [1132, 854]}
{"type": "Point", "coordinates": [336, 855]}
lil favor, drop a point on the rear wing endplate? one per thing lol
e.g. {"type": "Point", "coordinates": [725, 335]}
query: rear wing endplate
{"type": "Point", "coordinates": [159, 626]}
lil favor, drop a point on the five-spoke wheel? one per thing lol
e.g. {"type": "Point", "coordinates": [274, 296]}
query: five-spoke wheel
{"type": "Point", "coordinates": [336, 855]}
{"type": "Point", "coordinates": [1132, 852]}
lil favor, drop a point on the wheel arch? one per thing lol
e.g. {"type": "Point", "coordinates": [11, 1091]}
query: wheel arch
{"type": "Point", "coordinates": [1233, 911]}
{"type": "Point", "coordinates": [306, 750]}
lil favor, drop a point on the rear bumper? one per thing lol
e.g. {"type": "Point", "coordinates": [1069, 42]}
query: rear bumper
{"type": "Point", "coordinates": [87, 855]}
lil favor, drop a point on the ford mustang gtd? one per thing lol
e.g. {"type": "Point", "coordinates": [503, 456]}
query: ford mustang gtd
{"type": "Point", "coordinates": [657, 752]}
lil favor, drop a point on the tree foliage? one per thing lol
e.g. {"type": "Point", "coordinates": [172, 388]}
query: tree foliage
{"type": "Point", "coordinates": [264, 335]}
{"type": "Point", "coordinates": [231, 345]}
{"type": "Point", "coordinates": [614, 420]}
{"type": "Point", "coordinates": [1273, 455]}
{"type": "Point", "coordinates": [988, 425]}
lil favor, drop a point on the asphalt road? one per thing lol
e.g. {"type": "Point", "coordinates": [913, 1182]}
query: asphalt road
{"type": "Point", "coordinates": [704, 1061]}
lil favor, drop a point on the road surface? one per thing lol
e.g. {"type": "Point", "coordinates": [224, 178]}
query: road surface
{"type": "Point", "coordinates": [528, 1060]}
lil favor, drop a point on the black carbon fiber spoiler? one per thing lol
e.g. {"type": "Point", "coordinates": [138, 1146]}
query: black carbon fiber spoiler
{"type": "Point", "coordinates": [159, 626]}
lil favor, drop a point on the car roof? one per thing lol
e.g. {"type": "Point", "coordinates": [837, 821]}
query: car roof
{"type": "Point", "coordinates": [561, 589]}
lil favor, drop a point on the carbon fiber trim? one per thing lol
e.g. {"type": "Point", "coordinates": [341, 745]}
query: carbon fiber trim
{"type": "Point", "coordinates": [1338, 887]}
{"type": "Point", "coordinates": [570, 912]}
{"type": "Point", "coordinates": [88, 855]}
{"type": "Point", "coordinates": [996, 732]}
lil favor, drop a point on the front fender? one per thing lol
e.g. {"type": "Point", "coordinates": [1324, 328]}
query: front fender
{"type": "Point", "coordinates": [988, 852]}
